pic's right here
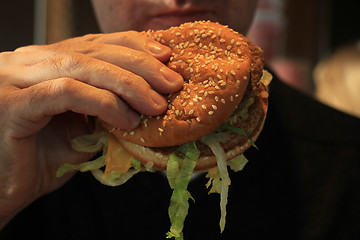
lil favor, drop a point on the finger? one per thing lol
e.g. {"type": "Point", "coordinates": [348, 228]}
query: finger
{"type": "Point", "coordinates": [41, 101]}
{"type": "Point", "coordinates": [160, 77]}
{"type": "Point", "coordinates": [133, 40]}
{"type": "Point", "coordinates": [129, 86]}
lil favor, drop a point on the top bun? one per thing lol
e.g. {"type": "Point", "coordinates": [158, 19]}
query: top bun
{"type": "Point", "coordinates": [217, 64]}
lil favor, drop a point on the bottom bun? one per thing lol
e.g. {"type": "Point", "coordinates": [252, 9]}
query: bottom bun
{"type": "Point", "coordinates": [233, 144]}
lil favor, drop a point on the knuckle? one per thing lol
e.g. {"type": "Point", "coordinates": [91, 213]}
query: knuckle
{"type": "Point", "coordinates": [6, 58]}
{"type": "Point", "coordinates": [67, 64]}
{"type": "Point", "coordinates": [107, 100]}
{"type": "Point", "coordinates": [131, 86]}
{"type": "Point", "coordinates": [60, 87]}
{"type": "Point", "coordinates": [27, 48]}
{"type": "Point", "coordinates": [57, 88]}
{"type": "Point", "coordinates": [133, 34]}
{"type": "Point", "coordinates": [138, 58]}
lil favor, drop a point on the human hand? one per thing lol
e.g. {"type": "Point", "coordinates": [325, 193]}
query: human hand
{"type": "Point", "coordinates": [46, 92]}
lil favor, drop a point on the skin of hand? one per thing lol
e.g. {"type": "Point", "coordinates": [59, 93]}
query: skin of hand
{"type": "Point", "coordinates": [47, 92]}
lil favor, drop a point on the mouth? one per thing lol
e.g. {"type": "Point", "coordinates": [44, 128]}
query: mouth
{"type": "Point", "coordinates": [177, 17]}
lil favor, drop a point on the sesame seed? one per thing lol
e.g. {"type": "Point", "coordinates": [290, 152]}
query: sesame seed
{"type": "Point", "coordinates": [214, 107]}
{"type": "Point", "coordinates": [216, 98]}
{"type": "Point", "coordinates": [125, 134]}
{"type": "Point", "coordinates": [211, 113]}
{"type": "Point", "coordinates": [191, 111]}
{"type": "Point", "coordinates": [198, 119]}
{"type": "Point", "coordinates": [233, 72]}
{"type": "Point", "coordinates": [245, 78]}
{"type": "Point", "coordinates": [203, 106]}
{"type": "Point", "coordinates": [161, 130]}
{"type": "Point", "coordinates": [142, 140]}
{"type": "Point", "coordinates": [223, 101]}
{"type": "Point", "coordinates": [132, 133]}
{"type": "Point", "coordinates": [219, 76]}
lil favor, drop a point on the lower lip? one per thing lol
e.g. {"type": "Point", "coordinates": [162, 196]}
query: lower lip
{"type": "Point", "coordinates": [166, 21]}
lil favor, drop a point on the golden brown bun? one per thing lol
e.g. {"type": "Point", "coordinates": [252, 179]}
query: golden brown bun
{"type": "Point", "coordinates": [234, 145]}
{"type": "Point", "coordinates": [216, 63]}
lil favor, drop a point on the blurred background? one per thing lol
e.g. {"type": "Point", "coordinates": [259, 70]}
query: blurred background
{"type": "Point", "coordinates": [300, 39]}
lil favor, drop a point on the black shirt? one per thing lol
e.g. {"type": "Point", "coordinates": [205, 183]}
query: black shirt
{"type": "Point", "coordinates": [302, 183]}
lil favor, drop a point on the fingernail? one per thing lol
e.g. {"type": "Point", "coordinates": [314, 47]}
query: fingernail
{"type": "Point", "coordinates": [170, 75]}
{"type": "Point", "coordinates": [157, 98]}
{"type": "Point", "coordinates": [156, 48]}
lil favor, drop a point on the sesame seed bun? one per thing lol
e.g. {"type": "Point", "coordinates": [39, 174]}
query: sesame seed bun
{"type": "Point", "coordinates": [222, 70]}
{"type": "Point", "coordinates": [217, 65]}
{"type": "Point", "coordinates": [233, 144]}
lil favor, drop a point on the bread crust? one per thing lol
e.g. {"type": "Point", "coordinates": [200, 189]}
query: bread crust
{"type": "Point", "coordinates": [252, 123]}
{"type": "Point", "coordinates": [217, 64]}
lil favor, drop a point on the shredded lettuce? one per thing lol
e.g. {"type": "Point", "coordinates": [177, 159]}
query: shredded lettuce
{"type": "Point", "coordinates": [91, 143]}
{"type": "Point", "coordinates": [214, 180]}
{"type": "Point", "coordinates": [180, 168]}
{"type": "Point", "coordinates": [179, 179]}
{"type": "Point", "coordinates": [238, 163]}
{"type": "Point", "coordinates": [224, 175]}
{"type": "Point", "coordinates": [114, 178]}
{"type": "Point", "coordinates": [82, 167]}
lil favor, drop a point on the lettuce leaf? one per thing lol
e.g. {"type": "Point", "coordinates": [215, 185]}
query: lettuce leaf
{"type": "Point", "coordinates": [179, 179]}
{"type": "Point", "coordinates": [224, 175]}
{"type": "Point", "coordinates": [237, 163]}
{"type": "Point", "coordinates": [82, 167]}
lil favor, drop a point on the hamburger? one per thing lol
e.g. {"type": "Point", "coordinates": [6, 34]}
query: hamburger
{"type": "Point", "coordinates": [217, 115]}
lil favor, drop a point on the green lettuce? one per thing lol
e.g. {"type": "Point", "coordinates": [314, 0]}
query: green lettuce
{"type": "Point", "coordinates": [179, 178]}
